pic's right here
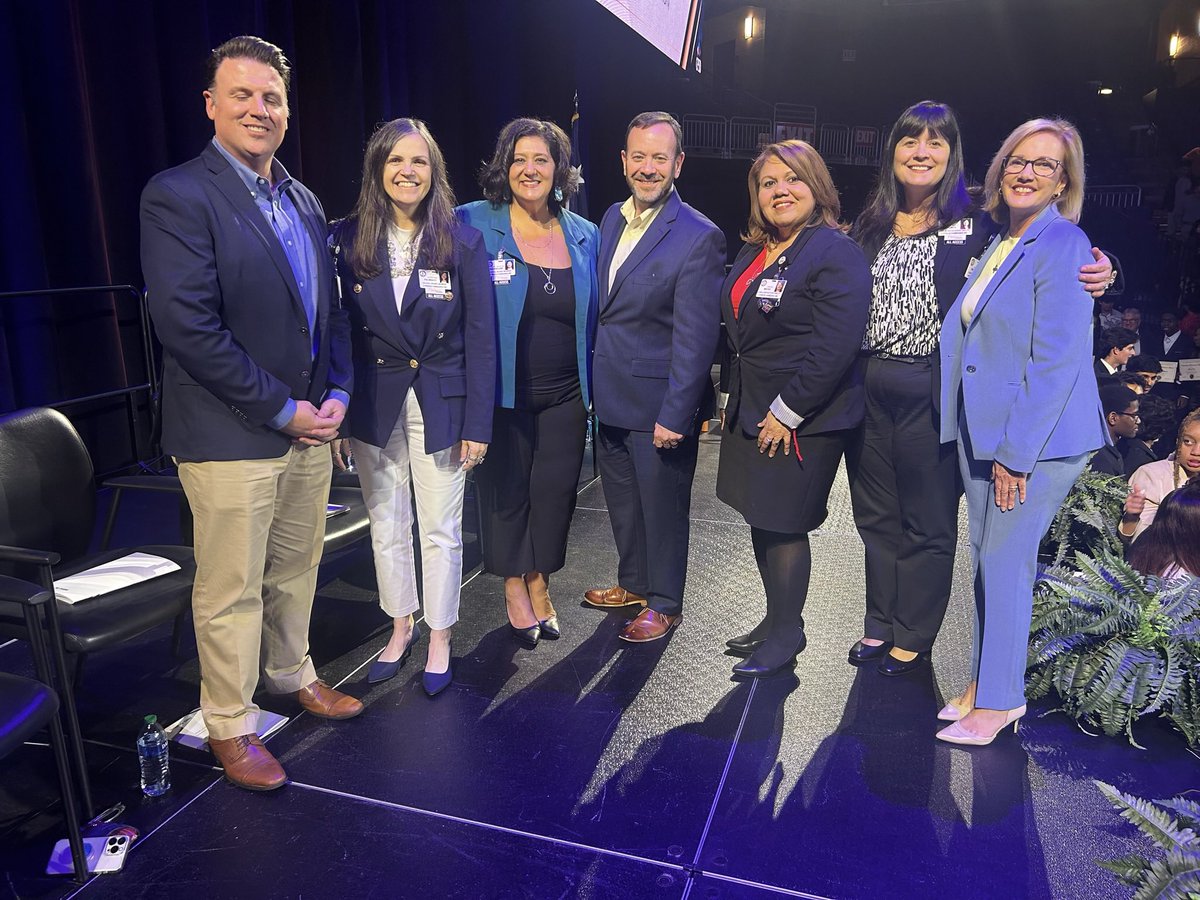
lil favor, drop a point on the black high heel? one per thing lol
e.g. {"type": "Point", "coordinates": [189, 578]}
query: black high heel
{"type": "Point", "coordinates": [861, 654]}
{"type": "Point", "coordinates": [772, 657]}
{"type": "Point", "coordinates": [747, 643]}
{"type": "Point", "coordinates": [527, 637]}
{"type": "Point", "coordinates": [549, 628]}
{"type": "Point", "coordinates": [892, 666]}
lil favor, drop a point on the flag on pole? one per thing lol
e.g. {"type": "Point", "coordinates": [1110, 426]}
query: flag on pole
{"type": "Point", "coordinates": [578, 203]}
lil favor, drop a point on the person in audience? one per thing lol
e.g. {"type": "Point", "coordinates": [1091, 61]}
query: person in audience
{"type": "Point", "coordinates": [920, 230]}
{"type": "Point", "coordinates": [1170, 545]}
{"type": "Point", "coordinates": [1131, 320]}
{"type": "Point", "coordinates": [794, 306]}
{"type": "Point", "coordinates": [1107, 315]}
{"type": "Point", "coordinates": [1015, 394]}
{"type": "Point", "coordinates": [1171, 343]}
{"type": "Point", "coordinates": [425, 368]}
{"type": "Point", "coordinates": [1147, 369]}
{"type": "Point", "coordinates": [1120, 406]}
{"type": "Point", "coordinates": [1134, 382]}
{"type": "Point", "coordinates": [1189, 324]}
{"type": "Point", "coordinates": [1156, 418]}
{"type": "Point", "coordinates": [1113, 350]}
{"type": "Point", "coordinates": [1153, 481]}
{"type": "Point", "coordinates": [543, 271]}
{"type": "Point", "coordinates": [661, 265]}
{"type": "Point", "coordinates": [256, 381]}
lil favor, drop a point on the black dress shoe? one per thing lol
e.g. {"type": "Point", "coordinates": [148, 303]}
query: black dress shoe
{"type": "Point", "coordinates": [436, 682]}
{"type": "Point", "coordinates": [862, 653]}
{"type": "Point", "coordinates": [527, 637]}
{"type": "Point", "coordinates": [771, 658]}
{"type": "Point", "coordinates": [889, 665]}
{"type": "Point", "coordinates": [382, 671]}
{"type": "Point", "coordinates": [747, 643]}
{"type": "Point", "coordinates": [549, 629]}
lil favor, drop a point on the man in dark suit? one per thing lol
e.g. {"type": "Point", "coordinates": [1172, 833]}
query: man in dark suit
{"type": "Point", "coordinates": [1113, 349]}
{"type": "Point", "coordinates": [1170, 343]}
{"type": "Point", "coordinates": [256, 380]}
{"type": "Point", "coordinates": [661, 266]}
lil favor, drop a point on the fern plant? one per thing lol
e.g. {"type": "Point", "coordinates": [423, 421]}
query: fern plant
{"type": "Point", "coordinates": [1087, 521]}
{"type": "Point", "coordinates": [1171, 825]}
{"type": "Point", "coordinates": [1116, 645]}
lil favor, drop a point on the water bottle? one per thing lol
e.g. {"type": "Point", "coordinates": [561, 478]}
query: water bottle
{"type": "Point", "coordinates": [154, 758]}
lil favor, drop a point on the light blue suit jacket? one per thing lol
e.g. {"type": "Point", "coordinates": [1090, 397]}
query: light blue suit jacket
{"type": "Point", "coordinates": [1024, 362]}
{"type": "Point", "coordinates": [583, 242]}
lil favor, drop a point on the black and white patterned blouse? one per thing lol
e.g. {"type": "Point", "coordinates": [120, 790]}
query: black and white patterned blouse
{"type": "Point", "coordinates": [904, 316]}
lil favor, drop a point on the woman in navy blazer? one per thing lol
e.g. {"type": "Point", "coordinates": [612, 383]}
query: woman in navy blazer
{"type": "Point", "coordinates": [794, 307]}
{"type": "Point", "coordinates": [542, 261]}
{"type": "Point", "coordinates": [1019, 395]}
{"type": "Point", "coordinates": [414, 281]}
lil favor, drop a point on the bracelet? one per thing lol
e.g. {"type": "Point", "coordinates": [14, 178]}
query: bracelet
{"type": "Point", "coordinates": [1112, 279]}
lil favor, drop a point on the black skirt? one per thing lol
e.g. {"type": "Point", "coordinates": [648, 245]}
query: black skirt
{"type": "Point", "coordinates": [783, 494]}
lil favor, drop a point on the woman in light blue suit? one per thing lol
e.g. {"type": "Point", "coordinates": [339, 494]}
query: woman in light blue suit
{"type": "Point", "coordinates": [1019, 396]}
{"type": "Point", "coordinates": [542, 261]}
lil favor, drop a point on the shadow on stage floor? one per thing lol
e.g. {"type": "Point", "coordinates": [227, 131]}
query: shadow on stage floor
{"type": "Point", "coordinates": [592, 768]}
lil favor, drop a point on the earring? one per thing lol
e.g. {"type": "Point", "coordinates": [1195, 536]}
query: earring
{"type": "Point", "coordinates": [558, 194]}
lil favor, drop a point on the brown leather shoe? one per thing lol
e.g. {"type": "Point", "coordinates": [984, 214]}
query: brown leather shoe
{"type": "Point", "coordinates": [649, 626]}
{"type": "Point", "coordinates": [612, 598]}
{"type": "Point", "coordinates": [247, 763]}
{"type": "Point", "coordinates": [322, 700]}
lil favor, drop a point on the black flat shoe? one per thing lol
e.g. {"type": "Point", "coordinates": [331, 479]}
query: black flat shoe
{"type": "Point", "coordinates": [436, 682]}
{"type": "Point", "coordinates": [770, 659]}
{"type": "Point", "coordinates": [382, 671]}
{"type": "Point", "coordinates": [549, 629]}
{"type": "Point", "coordinates": [862, 653]}
{"type": "Point", "coordinates": [747, 643]}
{"type": "Point", "coordinates": [527, 637]}
{"type": "Point", "coordinates": [891, 666]}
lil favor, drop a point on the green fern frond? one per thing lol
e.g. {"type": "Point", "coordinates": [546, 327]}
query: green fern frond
{"type": "Point", "coordinates": [1151, 821]}
{"type": "Point", "coordinates": [1175, 877]}
{"type": "Point", "coordinates": [1129, 869]}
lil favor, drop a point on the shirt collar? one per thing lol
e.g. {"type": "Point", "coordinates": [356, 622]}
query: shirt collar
{"type": "Point", "coordinates": [634, 220]}
{"type": "Point", "coordinates": [253, 181]}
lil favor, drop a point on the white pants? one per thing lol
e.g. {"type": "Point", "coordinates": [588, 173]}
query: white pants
{"type": "Point", "coordinates": [391, 477]}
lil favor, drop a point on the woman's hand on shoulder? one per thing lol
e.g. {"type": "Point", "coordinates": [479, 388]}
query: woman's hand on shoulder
{"type": "Point", "coordinates": [1099, 276]}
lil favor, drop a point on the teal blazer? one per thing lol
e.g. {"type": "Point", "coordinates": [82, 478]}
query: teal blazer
{"type": "Point", "coordinates": [1023, 366]}
{"type": "Point", "coordinates": [583, 240]}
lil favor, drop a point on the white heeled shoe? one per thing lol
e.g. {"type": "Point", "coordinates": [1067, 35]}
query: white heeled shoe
{"type": "Point", "coordinates": [956, 734]}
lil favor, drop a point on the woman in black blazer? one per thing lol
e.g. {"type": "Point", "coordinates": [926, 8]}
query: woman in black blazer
{"type": "Point", "coordinates": [923, 233]}
{"type": "Point", "coordinates": [794, 306]}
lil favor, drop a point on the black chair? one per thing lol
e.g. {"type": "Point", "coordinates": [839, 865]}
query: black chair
{"type": "Point", "coordinates": [28, 705]}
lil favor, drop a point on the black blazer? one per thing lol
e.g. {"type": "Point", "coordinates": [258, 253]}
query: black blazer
{"type": "Point", "coordinates": [445, 350]}
{"type": "Point", "coordinates": [226, 307]}
{"type": "Point", "coordinates": [807, 350]}
{"type": "Point", "coordinates": [1183, 348]}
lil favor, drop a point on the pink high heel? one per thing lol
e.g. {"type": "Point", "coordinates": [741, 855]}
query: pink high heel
{"type": "Point", "coordinates": [956, 734]}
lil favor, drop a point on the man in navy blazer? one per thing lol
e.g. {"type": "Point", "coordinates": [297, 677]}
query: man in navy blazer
{"type": "Point", "coordinates": [661, 266]}
{"type": "Point", "coordinates": [256, 380]}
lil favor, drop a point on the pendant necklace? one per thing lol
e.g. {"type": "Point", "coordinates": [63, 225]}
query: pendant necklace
{"type": "Point", "coordinates": [402, 257]}
{"type": "Point", "coordinates": [548, 287]}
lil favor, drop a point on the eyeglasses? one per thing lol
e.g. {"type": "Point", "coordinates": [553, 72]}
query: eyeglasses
{"type": "Point", "coordinates": [1133, 416]}
{"type": "Point", "coordinates": [1043, 165]}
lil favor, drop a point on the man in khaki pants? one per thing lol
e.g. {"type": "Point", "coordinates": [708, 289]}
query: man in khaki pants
{"type": "Point", "coordinates": [256, 381]}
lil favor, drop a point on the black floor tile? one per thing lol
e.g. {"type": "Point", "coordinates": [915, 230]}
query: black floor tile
{"type": "Point", "coordinates": [299, 842]}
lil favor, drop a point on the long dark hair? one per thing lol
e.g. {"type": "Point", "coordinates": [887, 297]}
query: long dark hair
{"type": "Point", "coordinates": [1173, 538]}
{"type": "Point", "coordinates": [952, 200]}
{"type": "Point", "coordinates": [493, 175]}
{"type": "Point", "coordinates": [362, 232]}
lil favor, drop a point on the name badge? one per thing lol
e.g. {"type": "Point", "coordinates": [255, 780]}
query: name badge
{"type": "Point", "coordinates": [971, 267]}
{"type": "Point", "coordinates": [771, 289]}
{"type": "Point", "coordinates": [435, 283]}
{"type": "Point", "coordinates": [502, 269]}
{"type": "Point", "coordinates": [958, 232]}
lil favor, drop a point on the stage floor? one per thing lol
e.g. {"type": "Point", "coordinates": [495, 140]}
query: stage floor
{"type": "Point", "coordinates": [593, 768]}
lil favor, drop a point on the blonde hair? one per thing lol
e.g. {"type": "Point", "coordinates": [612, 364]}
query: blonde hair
{"type": "Point", "coordinates": [1070, 204]}
{"type": "Point", "coordinates": [803, 159]}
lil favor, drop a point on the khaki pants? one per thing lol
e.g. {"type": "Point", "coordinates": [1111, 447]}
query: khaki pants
{"type": "Point", "coordinates": [259, 528]}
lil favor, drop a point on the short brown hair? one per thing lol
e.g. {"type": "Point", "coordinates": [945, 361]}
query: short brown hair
{"type": "Point", "coordinates": [247, 46]}
{"type": "Point", "coordinates": [647, 119]}
{"type": "Point", "coordinates": [803, 159]}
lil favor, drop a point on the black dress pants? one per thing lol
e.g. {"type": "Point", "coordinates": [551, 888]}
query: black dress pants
{"type": "Point", "coordinates": [528, 486]}
{"type": "Point", "coordinates": [649, 495]}
{"type": "Point", "coordinates": [904, 486]}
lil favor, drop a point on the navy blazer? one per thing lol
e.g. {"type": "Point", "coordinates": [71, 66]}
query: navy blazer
{"type": "Point", "coordinates": [583, 241]}
{"type": "Point", "coordinates": [806, 351]}
{"type": "Point", "coordinates": [226, 307]}
{"type": "Point", "coordinates": [660, 324]}
{"type": "Point", "coordinates": [1023, 365]}
{"type": "Point", "coordinates": [444, 349]}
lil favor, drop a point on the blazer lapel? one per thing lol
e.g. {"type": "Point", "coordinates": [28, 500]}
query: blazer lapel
{"type": "Point", "coordinates": [658, 230]}
{"type": "Point", "coordinates": [381, 296]}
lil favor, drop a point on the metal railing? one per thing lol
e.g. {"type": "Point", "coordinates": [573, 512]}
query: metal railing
{"type": "Point", "coordinates": [1113, 196]}
{"type": "Point", "coordinates": [706, 135]}
{"type": "Point", "coordinates": [833, 143]}
{"type": "Point", "coordinates": [747, 137]}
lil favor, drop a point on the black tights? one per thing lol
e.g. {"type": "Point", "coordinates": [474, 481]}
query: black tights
{"type": "Point", "coordinates": [785, 563]}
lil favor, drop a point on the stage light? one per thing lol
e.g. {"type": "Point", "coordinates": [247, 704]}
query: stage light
{"type": "Point", "coordinates": [1173, 47]}
{"type": "Point", "coordinates": [1104, 91]}
{"type": "Point", "coordinates": [748, 26]}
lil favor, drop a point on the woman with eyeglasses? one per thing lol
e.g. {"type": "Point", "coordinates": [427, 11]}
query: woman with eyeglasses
{"type": "Point", "coordinates": [794, 307]}
{"type": "Point", "coordinates": [922, 231]}
{"type": "Point", "coordinates": [1019, 397]}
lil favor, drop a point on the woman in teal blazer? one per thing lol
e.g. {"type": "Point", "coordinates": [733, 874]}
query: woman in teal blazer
{"type": "Point", "coordinates": [1019, 396]}
{"type": "Point", "coordinates": [542, 263]}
